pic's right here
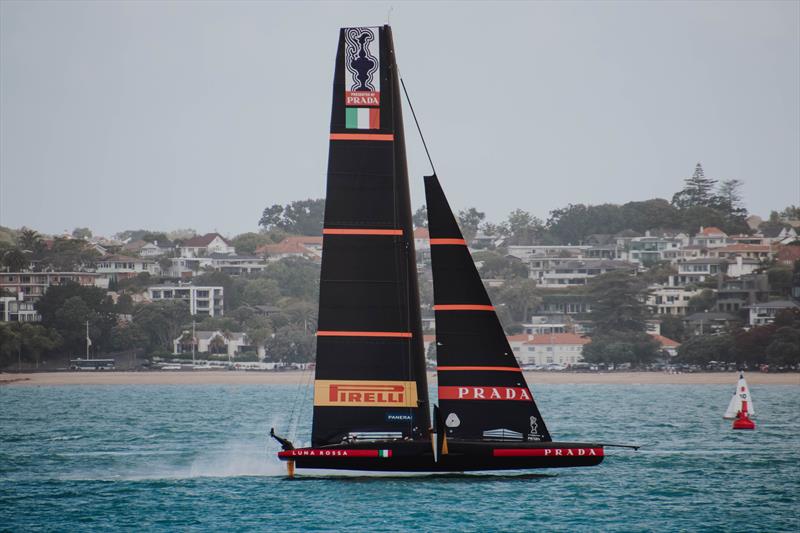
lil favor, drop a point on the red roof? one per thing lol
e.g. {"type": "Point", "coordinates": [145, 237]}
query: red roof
{"type": "Point", "coordinates": [666, 342]}
{"type": "Point", "coordinates": [522, 337]}
{"type": "Point", "coordinates": [428, 338]}
{"type": "Point", "coordinates": [200, 241]}
{"type": "Point", "coordinates": [558, 338]}
{"type": "Point", "coordinates": [712, 230]}
{"type": "Point", "coordinates": [421, 233]}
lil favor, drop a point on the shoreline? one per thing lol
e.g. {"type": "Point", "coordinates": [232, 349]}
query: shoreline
{"type": "Point", "coordinates": [223, 377]}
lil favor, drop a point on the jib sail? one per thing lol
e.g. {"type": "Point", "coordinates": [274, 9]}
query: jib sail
{"type": "Point", "coordinates": [482, 392]}
{"type": "Point", "coordinates": [370, 372]}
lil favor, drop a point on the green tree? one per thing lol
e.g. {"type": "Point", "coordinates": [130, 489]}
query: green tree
{"type": "Point", "coordinates": [784, 349]}
{"type": "Point", "coordinates": [10, 345]}
{"type": "Point", "coordinates": [637, 348]}
{"type": "Point", "coordinates": [702, 349]}
{"type": "Point", "coordinates": [129, 336]}
{"type": "Point", "coordinates": [15, 260]}
{"type": "Point", "coordinates": [30, 240]}
{"type": "Point", "coordinates": [704, 301]}
{"type": "Point", "coordinates": [37, 339]}
{"type": "Point", "coordinates": [420, 217]}
{"type": "Point", "coordinates": [302, 217]}
{"type": "Point", "coordinates": [672, 327]}
{"type": "Point", "coordinates": [468, 221]}
{"type": "Point", "coordinates": [247, 243]}
{"type": "Point", "coordinates": [261, 291]}
{"type": "Point", "coordinates": [617, 300]}
{"type": "Point", "coordinates": [82, 233]}
{"type": "Point", "coordinates": [520, 297]}
{"type": "Point", "coordinates": [780, 279]}
{"type": "Point", "coordinates": [162, 321]}
{"type": "Point", "coordinates": [698, 191]}
{"type": "Point", "coordinates": [495, 265]}
{"type": "Point", "coordinates": [290, 345]}
{"type": "Point", "coordinates": [522, 228]}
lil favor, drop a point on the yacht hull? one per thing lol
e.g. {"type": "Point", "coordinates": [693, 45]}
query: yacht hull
{"type": "Point", "coordinates": [462, 456]}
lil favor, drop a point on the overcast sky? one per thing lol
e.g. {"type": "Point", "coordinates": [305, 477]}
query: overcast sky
{"type": "Point", "coordinates": [165, 115]}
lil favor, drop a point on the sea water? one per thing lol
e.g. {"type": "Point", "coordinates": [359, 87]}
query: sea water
{"type": "Point", "coordinates": [186, 458]}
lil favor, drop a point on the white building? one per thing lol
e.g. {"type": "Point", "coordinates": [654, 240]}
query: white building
{"type": "Point", "coordinates": [17, 310]}
{"type": "Point", "coordinates": [764, 313]}
{"type": "Point", "coordinates": [575, 273]}
{"type": "Point", "coordinates": [556, 348]}
{"type": "Point", "coordinates": [668, 300]}
{"type": "Point", "coordinates": [203, 301]}
{"type": "Point", "coordinates": [119, 267]}
{"type": "Point", "coordinates": [201, 245]}
{"type": "Point", "coordinates": [710, 237]}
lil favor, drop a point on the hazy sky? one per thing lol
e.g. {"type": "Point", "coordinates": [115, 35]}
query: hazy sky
{"type": "Point", "coordinates": [164, 115]}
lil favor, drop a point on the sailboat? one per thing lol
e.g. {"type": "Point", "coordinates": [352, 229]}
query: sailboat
{"type": "Point", "coordinates": [371, 405]}
{"type": "Point", "coordinates": [740, 409]}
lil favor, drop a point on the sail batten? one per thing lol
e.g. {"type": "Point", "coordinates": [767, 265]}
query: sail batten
{"type": "Point", "coordinates": [482, 391]}
{"type": "Point", "coordinates": [370, 370]}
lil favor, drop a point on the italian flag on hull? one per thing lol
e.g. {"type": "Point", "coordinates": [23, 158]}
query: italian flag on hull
{"type": "Point", "coordinates": [363, 118]}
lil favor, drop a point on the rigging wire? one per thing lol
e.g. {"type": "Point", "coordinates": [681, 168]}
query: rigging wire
{"type": "Point", "coordinates": [419, 129]}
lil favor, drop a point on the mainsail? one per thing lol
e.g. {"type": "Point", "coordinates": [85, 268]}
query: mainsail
{"type": "Point", "coordinates": [370, 370]}
{"type": "Point", "coordinates": [741, 400]}
{"type": "Point", "coordinates": [482, 392]}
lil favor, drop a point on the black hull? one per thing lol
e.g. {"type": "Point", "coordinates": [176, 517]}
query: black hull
{"type": "Point", "coordinates": [463, 456]}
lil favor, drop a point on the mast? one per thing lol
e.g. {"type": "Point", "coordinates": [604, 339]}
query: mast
{"type": "Point", "coordinates": [482, 392]}
{"type": "Point", "coordinates": [370, 369]}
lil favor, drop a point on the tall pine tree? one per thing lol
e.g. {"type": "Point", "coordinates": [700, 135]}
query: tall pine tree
{"type": "Point", "coordinates": [698, 192]}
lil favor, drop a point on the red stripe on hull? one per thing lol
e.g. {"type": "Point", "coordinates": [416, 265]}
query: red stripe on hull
{"type": "Point", "coordinates": [477, 368]}
{"type": "Point", "coordinates": [392, 334]}
{"type": "Point", "coordinates": [362, 137]}
{"type": "Point", "coordinates": [463, 307]}
{"type": "Point", "coordinates": [547, 452]}
{"type": "Point", "coordinates": [313, 452]}
{"type": "Point", "coordinates": [340, 231]}
{"type": "Point", "coordinates": [462, 242]}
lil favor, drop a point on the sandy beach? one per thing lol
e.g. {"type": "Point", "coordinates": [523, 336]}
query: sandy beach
{"type": "Point", "coordinates": [293, 378]}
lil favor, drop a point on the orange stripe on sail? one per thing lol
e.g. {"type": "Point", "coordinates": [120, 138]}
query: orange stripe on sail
{"type": "Point", "coordinates": [448, 241]}
{"type": "Point", "coordinates": [478, 368]}
{"type": "Point", "coordinates": [463, 307]}
{"type": "Point", "coordinates": [393, 334]}
{"type": "Point", "coordinates": [355, 231]}
{"type": "Point", "coordinates": [362, 136]}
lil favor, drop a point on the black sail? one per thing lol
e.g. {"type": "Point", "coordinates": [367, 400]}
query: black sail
{"type": "Point", "coordinates": [482, 392]}
{"type": "Point", "coordinates": [370, 370]}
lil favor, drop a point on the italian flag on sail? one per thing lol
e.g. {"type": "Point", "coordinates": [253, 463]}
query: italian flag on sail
{"type": "Point", "coordinates": [384, 453]}
{"type": "Point", "coordinates": [363, 118]}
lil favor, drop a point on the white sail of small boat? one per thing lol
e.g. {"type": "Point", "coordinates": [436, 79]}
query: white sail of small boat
{"type": "Point", "coordinates": [741, 400]}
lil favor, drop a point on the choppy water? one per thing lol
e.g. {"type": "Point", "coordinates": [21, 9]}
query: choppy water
{"type": "Point", "coordinates": [179, 458]}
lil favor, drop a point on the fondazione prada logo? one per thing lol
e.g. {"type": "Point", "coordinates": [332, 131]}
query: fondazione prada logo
{"type": "Point", "coordinates": [346, 393]}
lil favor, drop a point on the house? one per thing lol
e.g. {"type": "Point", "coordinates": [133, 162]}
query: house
{"type": "Point", "coordinates": [669, 300]}
{"type": "Point", "coordinates": [14, 309]}
{"type": "Point", "coordinates": [202, 245]}
{"type": "Point", "coordinates": [118, 267]}
{"type": "Point", "coordinates": [306, 247]}
{"type": "Point", "coordinates": [553, 348]}
{"type": "Point", "coordinates": [668, 345]}
{"type": "Point", "coordinates": [710, 237]}
{"type": "Point", "coordinates": [760, 252]}
{"type": "Point", "coordinates": [422, 245]}
{"type": "Point", "coordinates": [763, 313]}
{"type": "Point", "coordinates": [649, 249]}
{"type": "Point", "coordinates": [546, 324]}
{"type": "Point", "coordinates": [696, 271]}
{"type": "Point", "coordinates": [33, 285]}
{"type": "Point", "coordinates": [709, 322]}
{"type": "Point", "coordinates": [734, 294]}
{"type": "Point", "coordinates": [203, 301]}
{"type": "Point", "coordinates": [572, 273]}
{"type": "Point", "coordinates": [215, 342]}
{"type": "Point", "coordinates": [156, 248]}
{"type": "Point", "coordinates": [132, 247]}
